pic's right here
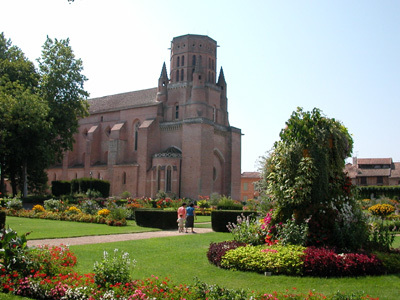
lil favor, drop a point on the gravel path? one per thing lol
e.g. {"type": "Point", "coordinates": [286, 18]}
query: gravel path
{"type": "Point", "coordinates": [97, 239]}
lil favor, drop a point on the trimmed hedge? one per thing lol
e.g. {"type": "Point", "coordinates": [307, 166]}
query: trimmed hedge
{"type": "Point", "coordinates": [388, 191]}
{"type": "Point", "coordinates": [82, 185]}
{"type": "Point", "coordinates": [156, 218]}
{"type": "Point", "coordinates": [60, 187]}
{"type": "Point", "coordinates": [2, 219]}
{"type": "Point", "coordinates": [221, 218]}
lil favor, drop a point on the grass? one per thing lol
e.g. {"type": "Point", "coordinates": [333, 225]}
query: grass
{"type": "Point", "coordinates": [45, 229]}
{"type": "Point", "coordinates": [182, 258]}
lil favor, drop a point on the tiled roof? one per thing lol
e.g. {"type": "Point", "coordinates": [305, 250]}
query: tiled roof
{"type": "Point", "coordinates": [395, 170]}
{"type": "Point", "coordinates": [123, 101]}
{"type": "Point", "coordinates": [251, 175]}
{"type": "Point", "coordinates": [374, 161]}
{"type": "Point", "coordinates": [373, 172]}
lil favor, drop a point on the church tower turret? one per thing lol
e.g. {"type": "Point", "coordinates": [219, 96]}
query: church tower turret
{"type": "Point", "coordinates": [162, 89]}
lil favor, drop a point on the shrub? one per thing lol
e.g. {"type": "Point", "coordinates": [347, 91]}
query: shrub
{"type": "Point", "coordinates": [113, 269]}
{"type": "Point", "coordinates": [325, 262]}
{"type": "Point", "coordinates": [104, 212]}
{"type": "Point", "coordinates": [217, 250]}
{"type": "Point", "coordinates": [38, 208]}
{"type": "Point", "coordinates": [14, 203]}
{"type": "Point", "coordinates": [60, 187]}
{"type": "Point", "coordinates": [221, 218]}
{"type": "Point", "coordinates": [247, 230]}
{"type": "Point", "coordinates": [89, 207]}
{"type": "Point", "coordinates": [380, 236]}
{"type": "Point", "coordinates": [13, 249]}
{"type": "Point", "coordinates": [229, 204]}
{"type": "Point", "coordinates": [2, 219]}
{"type": "Point", "coordinates": [276, 259]}
{"type": "Point", "coordinates": [156, 218]}
{"type": "Point", "coordinates": [381, 210]}
{"type": "Point", "coordinates": [390, 261]}
{"type": "Point", "coordinates": [292, 233]}
{"type": "Point", "coordinates": [54, 205]}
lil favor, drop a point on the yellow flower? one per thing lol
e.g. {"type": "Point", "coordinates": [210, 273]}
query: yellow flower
{"type": "Point", "coordinates": [104, 212]}
{"type": "Point", "coordinates": [74, 210]}
{"type": "Point", "coordinates": [38, 208]}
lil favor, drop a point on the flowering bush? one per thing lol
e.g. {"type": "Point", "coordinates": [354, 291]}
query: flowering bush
{"type": "Point", "coordinates": [292, 233]}
{"type": "Point", "coordinates": [247, 230]}
{"type": "Point", "coordinates": [217, 250]}
{"type": "Point", "coordinates": [104, 212]}
{"type": "Point", "coordinates": [381, 210]}
{"type": "Point", "coordinates": [54, 205]}
{"type": "Point", "coordinates": [113, 269]}
{"type": "Point", "coordinates": [380, 236]}
{"type": "Point", "coordinates": [14, 203]}
{"type": "Point", "coordinates": [73, 210]}
{"type": "Point", "coordinates": [89, 207]}
{"type": "Point", "coordinates": [38, 208]}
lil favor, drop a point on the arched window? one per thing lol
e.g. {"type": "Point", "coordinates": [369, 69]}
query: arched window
{"type": "Point", "coordinates": [183, 60]}
{"type": "Point", "coordinates": [177, 62]}
{"type": "Point", "coordinates": [177, 75]}
{"type": "Point", "coordinates": [136, 135]}
{"type": "Point", "coordinates": [168, 187]}
{"type": "Point", "coordinates": [76, 175]}
{"type": "Point", "coordinates": [55, 177]}
{"type": "Point", "coordinates": [124, 178]}
{"type": "Point", "coordinates": [158, 178]}
{"type": "Point", "coordinates": [193, 60]}
{"type": "Point", "coordinates": [182, 71]}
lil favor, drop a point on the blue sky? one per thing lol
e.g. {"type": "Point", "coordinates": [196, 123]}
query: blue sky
{"type": "Point", "coordinates": [340, 56]}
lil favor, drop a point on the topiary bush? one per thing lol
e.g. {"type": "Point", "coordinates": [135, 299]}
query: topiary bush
{"type": "Point", "coordinates": [156, 218]}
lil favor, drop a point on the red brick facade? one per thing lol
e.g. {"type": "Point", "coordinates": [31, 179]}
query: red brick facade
{"type": "Point", "coordinates": [175, 138]}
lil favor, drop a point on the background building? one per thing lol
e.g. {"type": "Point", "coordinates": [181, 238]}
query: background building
{"type": "Point", "coordinates": [374, 171]}
{"type": "Point", "coordinates": [174, 138]}
{"type": "Point", "coordinates": [247, 190]}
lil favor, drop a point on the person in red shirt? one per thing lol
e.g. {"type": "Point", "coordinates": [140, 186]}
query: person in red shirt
{"type": "Point", "coordinates": [182, 212]}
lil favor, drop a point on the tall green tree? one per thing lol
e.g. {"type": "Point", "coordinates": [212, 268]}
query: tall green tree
{"type": "Point", "coordinates": [62, 86]}
{"type": "Point", "coordinates": [39, 111]}
{"type": "Point", "coordinates": [304, 173]}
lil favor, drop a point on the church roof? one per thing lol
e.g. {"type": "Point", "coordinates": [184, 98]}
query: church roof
{"type": "Point", "coordinates": [123, 101]}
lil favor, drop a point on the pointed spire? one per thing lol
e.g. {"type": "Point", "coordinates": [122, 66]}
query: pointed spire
{"type": "Point", "coordinates": [221, 78]}
{"type": "Point", "coordinates": [164, 71]}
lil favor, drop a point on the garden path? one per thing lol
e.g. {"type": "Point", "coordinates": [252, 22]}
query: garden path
{"type": "Point", "coordinates": [97, 239]}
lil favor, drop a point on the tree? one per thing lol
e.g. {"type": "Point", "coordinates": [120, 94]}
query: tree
{"type": "Point", "coordinates": [61, 85]}
{"type": "Point", "coordinates": [39, 111]}
{"type": "Point", "coordinates": [304, 173]}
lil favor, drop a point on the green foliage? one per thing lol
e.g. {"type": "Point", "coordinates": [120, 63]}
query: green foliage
{"type": "Point", "coordinates": [202, 290]}
{"type": "Point", "coordinates": [303, 173]}
{"type": "Point", "coordinates": [390, 261]}
{"type": "Point", "coordinates": [90, 207]}
{"type": "Point", "coordinates": [13, 251]}
{"type": "Point", "coordinates": [220, 219]}
{"type": "Point", "coordinates": [227, 203]}
{"type": "Point", "coordinates": [2, 219]}
{"type": "Point", "coordinates": [378, 191]}
{"type": "Point", "coordinates": [113, 268]}
{"type": "Point", "coordinates": [277, 259]}
{"type": "Point", "coordinates": [60, 187]}
{"type": "Point", "coordinates": [82, 185]}
{"type": "Point", "coordinates": [291, 233]}
{"type": "Point", "coordinates": [380, 236]}
{"type": "Point", "coordinates": [247, 230]}
{"type": "Point", "coordinates": [55, 205]}
{"type": "Point", "coordinates": [156, 218]}
{"type": "Point", "coordinates": [14, 203]}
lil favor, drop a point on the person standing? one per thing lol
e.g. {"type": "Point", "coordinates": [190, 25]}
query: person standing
{"type": "Point", "coordinates": [190, 216]}
{"type": "Point", "coordinates": [182, 213]}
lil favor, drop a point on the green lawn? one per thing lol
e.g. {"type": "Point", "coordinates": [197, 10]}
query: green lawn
{"type": "Point", "coordinates": [183, 257]}
{"type": "Point", "coordinates": [44, 229]}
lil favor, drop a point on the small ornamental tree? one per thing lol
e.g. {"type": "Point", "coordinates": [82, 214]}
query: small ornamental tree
{"type": "Point", "coordinates": [304, 176]}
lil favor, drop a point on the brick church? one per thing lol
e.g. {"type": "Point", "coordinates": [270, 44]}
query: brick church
{"type": "Point", "coordinates": [174, 138]}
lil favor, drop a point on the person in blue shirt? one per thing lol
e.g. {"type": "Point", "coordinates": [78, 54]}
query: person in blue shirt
{"type": "Point", "coordinates": [190, 216]}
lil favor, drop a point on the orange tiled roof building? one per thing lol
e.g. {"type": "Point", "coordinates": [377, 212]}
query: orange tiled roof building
{"type": "Point", "coordinates": [247, 190]}
{"type": "Point", "coordinates": [373, 171]}
{"type": "Point", "coordinates": [174, 138]}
